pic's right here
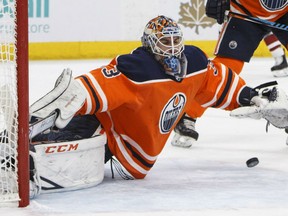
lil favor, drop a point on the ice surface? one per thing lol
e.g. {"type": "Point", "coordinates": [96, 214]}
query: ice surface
{"type": "Point", "coordinates": [210, 179]}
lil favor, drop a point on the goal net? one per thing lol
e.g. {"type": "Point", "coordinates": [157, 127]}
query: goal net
{"type": "Point", "coordinates": [14, 170]}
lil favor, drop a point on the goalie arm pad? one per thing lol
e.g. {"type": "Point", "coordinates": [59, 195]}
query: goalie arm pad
{"type": "Point", "coordinates": [67, 97]}
{"type": "Point", "coordinates": [216, 9]}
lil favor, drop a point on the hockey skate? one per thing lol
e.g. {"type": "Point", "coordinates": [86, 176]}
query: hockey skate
{"type": "Point", "coordinates": [280, 70]}
{"type": "Point", "coordinates": [185, 133]}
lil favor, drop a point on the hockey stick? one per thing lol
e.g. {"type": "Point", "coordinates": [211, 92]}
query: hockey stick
{"type": "Point", "coordinates": [42, 125]}
{"type": "Point", "coordinates": [267, 23]}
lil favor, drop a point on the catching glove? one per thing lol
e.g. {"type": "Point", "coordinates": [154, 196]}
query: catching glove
{"type": "Point", "coordinates": [270, 104]}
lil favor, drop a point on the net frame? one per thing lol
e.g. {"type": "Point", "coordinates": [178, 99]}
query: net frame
{"type": "Point", "coordinates": [23, 101]}
{"type": "Point", "coordinates": [16, 56]}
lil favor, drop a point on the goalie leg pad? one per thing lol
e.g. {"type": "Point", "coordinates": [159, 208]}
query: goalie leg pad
{"type": "Point", "coordinates": [67, 166]}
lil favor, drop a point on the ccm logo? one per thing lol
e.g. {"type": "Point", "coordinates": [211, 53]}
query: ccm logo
{"type": "Point", "coordinates": [61, 148]}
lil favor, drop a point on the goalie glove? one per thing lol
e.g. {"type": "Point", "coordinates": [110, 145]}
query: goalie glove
{"type": "Point", "coordinates": [270, 104]}
{"type": "Point", "coordinates": [66, 98]}
{"type": "Point", "coordinates": [216, 9]}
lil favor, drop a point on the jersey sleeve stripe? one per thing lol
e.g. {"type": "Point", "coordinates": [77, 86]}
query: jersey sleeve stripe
{"type": "Point", "coordinates": [91, 89]}
{"type": "Point", "coordinates": [100, 92]}
{"type": "Point", "coordinates": [223, 70]}
{"type": "Point", "coordinates": [88, 98]}
{"type": "Point", "coordinates": [238, 94]}
{"type": "Point", "coordinates": [231, 93]}
{"type": "Point", "coordinates": [226, 89]}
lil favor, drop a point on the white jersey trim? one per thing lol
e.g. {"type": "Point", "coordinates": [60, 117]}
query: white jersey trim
{"type": "Point", "coordinates": [139, 149]}
{"type": "Point", "coordinates": [168, 80]}
{"type": "Point", "coordinates": [124, 152]}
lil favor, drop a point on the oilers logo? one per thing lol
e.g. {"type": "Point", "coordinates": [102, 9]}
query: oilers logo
{"type": "Point", "coordinates": [273, 5]}
{"type": "Point", "coordinates": [171, 112]}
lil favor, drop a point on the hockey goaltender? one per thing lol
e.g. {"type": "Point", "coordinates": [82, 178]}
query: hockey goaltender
{"type": "Point", "coordinates": [125, 111]}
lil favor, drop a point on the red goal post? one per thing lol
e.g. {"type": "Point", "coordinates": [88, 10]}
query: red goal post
{"type": "Point", "coordinates": [14, 101]}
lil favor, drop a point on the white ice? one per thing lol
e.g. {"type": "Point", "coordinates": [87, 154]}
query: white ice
{"type": "Point", "coordinates": [210, 179]}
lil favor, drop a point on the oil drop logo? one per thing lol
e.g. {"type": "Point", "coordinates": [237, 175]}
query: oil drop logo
{"type": "Point", "coordinates": [171, 112]}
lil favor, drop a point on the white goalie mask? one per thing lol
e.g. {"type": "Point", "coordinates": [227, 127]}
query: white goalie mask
{"type": "Point", "coordinates": [164, 38]}
{"type": "Point", "coordinates": [274, 5]}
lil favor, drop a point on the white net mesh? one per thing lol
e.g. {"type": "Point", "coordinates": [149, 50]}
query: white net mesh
{"type": "Point", "coordinates": [8, 103]}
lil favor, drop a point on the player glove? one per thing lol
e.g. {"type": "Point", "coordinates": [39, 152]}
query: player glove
{"type": "Point", "coordinates": [270, 104]}
{"type": "Point", "coordinates": [216, 9]}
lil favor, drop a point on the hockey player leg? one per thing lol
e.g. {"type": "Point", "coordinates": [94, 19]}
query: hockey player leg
{"type": "Point", "coordinates": [66, 166]}
{"type": "Point", "coordinates": [280, 68]}
{"type": "Point", "coordinates": [67, 98]}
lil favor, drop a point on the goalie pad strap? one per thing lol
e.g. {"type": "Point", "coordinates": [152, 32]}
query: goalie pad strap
{"type": "Point", "coordinates": [266, 85]}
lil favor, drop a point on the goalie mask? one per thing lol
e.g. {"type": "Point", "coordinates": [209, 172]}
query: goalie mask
{"type": "Point", "coordinates": [164, 39]}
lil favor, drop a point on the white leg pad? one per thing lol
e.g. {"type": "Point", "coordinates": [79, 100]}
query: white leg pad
{"type": "Point", "coordinates": [69, 165]}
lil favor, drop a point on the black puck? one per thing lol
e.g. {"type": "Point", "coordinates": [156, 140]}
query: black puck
{"type": "Point", "coordinates": [252, 162]}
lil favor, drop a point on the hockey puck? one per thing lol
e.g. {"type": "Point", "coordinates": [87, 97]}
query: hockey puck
{"type": "Point", "coordinates": [252, 162]}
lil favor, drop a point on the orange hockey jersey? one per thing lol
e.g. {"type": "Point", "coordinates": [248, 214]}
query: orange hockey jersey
{"type": "Point", "coordinates": [256, 8]}
{"type": "Point", "coordinates": [138, 104]}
